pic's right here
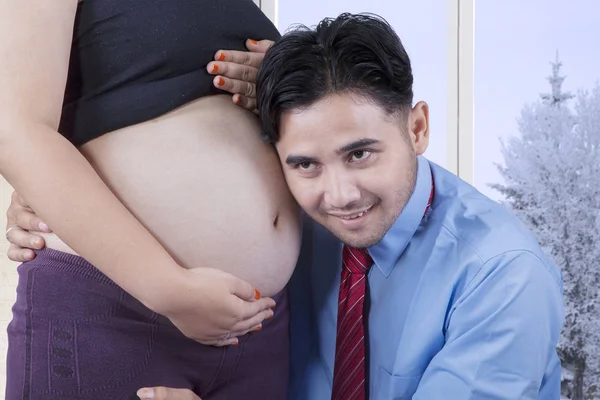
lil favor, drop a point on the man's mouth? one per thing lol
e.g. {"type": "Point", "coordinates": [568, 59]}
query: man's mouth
{"type": "Point", "coordinates": [355, 215]}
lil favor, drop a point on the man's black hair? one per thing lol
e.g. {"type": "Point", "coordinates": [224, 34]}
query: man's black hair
{"type": "Point", "coordinates": [358, 54]}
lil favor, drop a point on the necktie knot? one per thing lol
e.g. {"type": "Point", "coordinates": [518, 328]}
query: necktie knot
{"type": "Point", "coordinates": [356, 261]}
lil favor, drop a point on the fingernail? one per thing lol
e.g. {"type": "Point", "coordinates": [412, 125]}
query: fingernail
{"type": "Point", "coordinates": [214, 69]}
{"type": "Point", "coordinates": [35, 243]}
{"type": "Point", "coordinates": [236, 99]}
{"type": "Point", "coordinates": [146, 393]}
{"type": "Point", "coordinates": [256, 294]}
{"type": "Point", "coordinates": [30, 255]}
{"type": "Point", "coordinates": [221, 57]}
{"type": "Point", "coordinates": [254, 42]}
{"type": "Point", "coordinates": [258, 328]}
{"type": "Point", "coordinates": [43, 226]}
{"type": "Point", "coordinates": [220, 81]}
{"type": "Point", "coordinates": [271, 316]}
{"type": "Point", "coordinates": [235, 343]}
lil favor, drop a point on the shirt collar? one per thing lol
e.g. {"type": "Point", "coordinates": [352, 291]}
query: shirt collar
{"type": "Point", "coordinates": [389, 249]}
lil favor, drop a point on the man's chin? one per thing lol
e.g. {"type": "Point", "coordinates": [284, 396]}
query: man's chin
{"type": "Point", "coordinates": [358, 240]}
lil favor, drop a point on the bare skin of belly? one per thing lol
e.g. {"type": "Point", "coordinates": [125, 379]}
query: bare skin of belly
{"type": "Point", "coordinates": [205, 184]}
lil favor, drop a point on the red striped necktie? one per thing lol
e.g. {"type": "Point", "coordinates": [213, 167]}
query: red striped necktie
{"type": "Point", "coordinates": [349, 373]}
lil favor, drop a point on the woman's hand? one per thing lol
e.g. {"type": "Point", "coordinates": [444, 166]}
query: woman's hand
{"type": "Point", "coordinates": [235, 72]}
{"type": "Point", "coordinates": [20, 219]}
{"type": "Point", "coordinates": [164, 393]}
{"type": "Point", "coordinates": [213, 307]}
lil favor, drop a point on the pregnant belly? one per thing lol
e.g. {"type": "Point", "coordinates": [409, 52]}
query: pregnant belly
{"type": "Point", "coordinates": [208, 188]}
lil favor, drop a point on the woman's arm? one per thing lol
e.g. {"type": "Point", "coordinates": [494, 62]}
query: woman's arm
{"type": "Point", "coordinates": [49, 172]}
{"type": "Point", "coordinates": [62, 187]}
{"type": "Point", "coordinates": [237, 69]}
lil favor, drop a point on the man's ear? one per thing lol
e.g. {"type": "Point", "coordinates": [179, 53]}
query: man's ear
{"type": "Point", "coordinates": [418, 127]}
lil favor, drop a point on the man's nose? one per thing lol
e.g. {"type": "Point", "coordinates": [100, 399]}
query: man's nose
{"type": "Point", "coordinates": [340, 191]}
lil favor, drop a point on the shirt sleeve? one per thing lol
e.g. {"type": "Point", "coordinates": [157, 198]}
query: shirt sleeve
{"type": "Point", "coordinates": [501, 334]}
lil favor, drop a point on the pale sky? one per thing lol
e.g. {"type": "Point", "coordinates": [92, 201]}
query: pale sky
{"type": "Point", "coordinates": [515, 40]}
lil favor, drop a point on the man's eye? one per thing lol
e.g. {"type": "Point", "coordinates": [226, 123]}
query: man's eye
{"type": "Point", "coordinates": [306, 166]}
{"type": "Point", "coordinates": [359, 155]}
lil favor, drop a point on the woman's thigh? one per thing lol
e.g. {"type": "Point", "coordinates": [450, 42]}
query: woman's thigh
{"type": "Point", "coordinates": [77, 335]}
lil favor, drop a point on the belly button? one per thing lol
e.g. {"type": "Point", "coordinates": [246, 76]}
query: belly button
{"type": "Point", "coordinates": [275, 220]}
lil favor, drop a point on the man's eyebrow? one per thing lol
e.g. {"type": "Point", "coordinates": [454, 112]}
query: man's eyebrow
{"type": "Point", "coordinates": [295, 160]}
{"type": "Point", "coordinates": [356, 145]}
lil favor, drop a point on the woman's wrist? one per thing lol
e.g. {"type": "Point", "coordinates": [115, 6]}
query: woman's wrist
{"type": "Point", "coordinates": [161, 292]}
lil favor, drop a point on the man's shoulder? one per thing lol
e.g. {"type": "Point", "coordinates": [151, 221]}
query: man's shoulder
{"type": "Point", "coordinates": [483, 229]}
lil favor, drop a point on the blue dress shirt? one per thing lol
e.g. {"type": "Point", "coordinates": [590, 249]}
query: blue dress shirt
{"type": "Point", "coordinates": [464, 304]}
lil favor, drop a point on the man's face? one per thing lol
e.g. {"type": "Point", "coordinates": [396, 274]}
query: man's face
{"type": "Point", "coordinates": [350, 166]}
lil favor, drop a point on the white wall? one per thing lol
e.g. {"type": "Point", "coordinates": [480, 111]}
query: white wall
{"type": "Point", "coordinates": [8, 282]}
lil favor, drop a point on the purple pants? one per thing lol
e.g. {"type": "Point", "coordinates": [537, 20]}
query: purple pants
{"type": "Point", "coordinates": [75, 334]}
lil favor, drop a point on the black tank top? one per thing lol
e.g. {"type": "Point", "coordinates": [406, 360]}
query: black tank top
{"type": "Point", "coordinates": [134, 60]}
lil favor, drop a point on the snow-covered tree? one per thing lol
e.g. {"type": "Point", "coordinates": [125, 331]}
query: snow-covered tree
{"type": "Point", "coordinates": [552, 182]}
